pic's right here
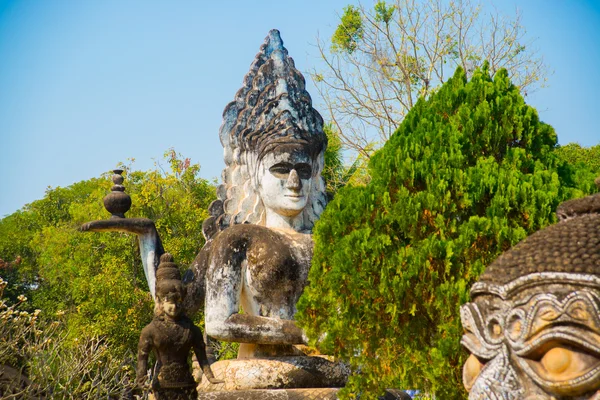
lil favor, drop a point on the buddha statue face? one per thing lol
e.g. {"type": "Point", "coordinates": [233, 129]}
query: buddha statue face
{"type": "Point", "coordinates": [274, 144]}
{"type": "Point", "coordinates": [285, 181]}
{"type": "Point", "coordinates": [534, 341]}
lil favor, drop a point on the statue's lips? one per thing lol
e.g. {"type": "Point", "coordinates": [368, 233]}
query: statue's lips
{"type": "Point", "coordinates": [294, 197]}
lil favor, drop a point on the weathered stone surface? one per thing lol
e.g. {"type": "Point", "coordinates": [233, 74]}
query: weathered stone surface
{"type": "Point", "coordinates": [117, 202]}
{"type": "Point", "coordinates": [292, 394]}
{"type": "Point", "coordinates": [171, 335]}
{"type": "Point", "coordinates": [277, 373]}
{"type": "Point", "coordinates": [533, 326]}
{"type": "Point", "coordinates": [281, 394]}
{"type": "Point", "coordinates": [259, 243]}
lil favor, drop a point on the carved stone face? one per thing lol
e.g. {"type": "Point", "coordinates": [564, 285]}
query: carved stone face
{"type": "Point", "coordinates": [171, 307]}
{"type": "Point", "coordinates": [538, 338]}
{"type": "Point", "coordinates": [284, 182]}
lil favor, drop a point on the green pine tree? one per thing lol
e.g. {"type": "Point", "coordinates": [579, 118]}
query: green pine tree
{"type": "Point", "coordinates": [470, 172]}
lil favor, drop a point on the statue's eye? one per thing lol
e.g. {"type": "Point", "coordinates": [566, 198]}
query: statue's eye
{"type": "Point", "coordinates": [304, 170]}
{"type": "Point", "coordinates": [471, 371]}
{"type": "Point", "coordinates": [561, 362]}
{"type": "Point", "coordinates": [281, 170]}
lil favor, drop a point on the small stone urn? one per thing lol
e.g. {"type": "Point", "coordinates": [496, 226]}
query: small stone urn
{"type": "Point", "coordinates": [117, 202]}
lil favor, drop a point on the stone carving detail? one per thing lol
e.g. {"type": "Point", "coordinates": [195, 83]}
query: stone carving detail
{"type": "Point", "coordinates": [171, 335]}
{"type": "Point", "coordinates": [259, 245]}
{"type": "Point", "coordinates": [533, 326]}
{"type": "Point", "coordinates": [254, 265]}
{"type": "Point", "coordinates": [271, 115]}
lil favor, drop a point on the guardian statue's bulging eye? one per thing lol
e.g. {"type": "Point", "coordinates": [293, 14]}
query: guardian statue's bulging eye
{"type": "Point", "coordinates": [562, 362]}
{"type": "Point", "coordinates": [557, 361]}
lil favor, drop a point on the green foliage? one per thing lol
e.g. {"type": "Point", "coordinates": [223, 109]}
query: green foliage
{"type": "Point", "coordinates": [349, 32]}
{"type": "Point", "coordinates": [470, 172]}
{"type": "Point", "coordinates": [584, 163]}
{"type": "Point", "coordinates": [383, 12]}
{"type": "Point", "coordinates": [574, 154]}
{"type": "Point", "coordinates": [335, 172]}
{"type": "Point", "coordinates": [37, 348]}
{"type": "Point", "coordinates": [96, 278]}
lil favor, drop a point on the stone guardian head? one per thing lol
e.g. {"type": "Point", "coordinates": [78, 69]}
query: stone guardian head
{"type": "Point", "coordinates": [533, 325]}
{"type": "Point", "coordinates": [169, 288]}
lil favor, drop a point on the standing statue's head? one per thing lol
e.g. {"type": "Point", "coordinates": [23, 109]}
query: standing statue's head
{"type": "Point", "coordinates": [533, 326]}
{"type": "Point", "coordinates": [273, 144]}
{"type": "Point", "coordinates": [169, 288]}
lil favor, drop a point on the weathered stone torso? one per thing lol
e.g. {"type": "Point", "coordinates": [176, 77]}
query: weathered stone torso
{"type": "Point", "coordinates": [269, 269]}
{"type": "Point", "coordinates": [172, 342]}
{"type": "Point", "coordinates": [273, 265]}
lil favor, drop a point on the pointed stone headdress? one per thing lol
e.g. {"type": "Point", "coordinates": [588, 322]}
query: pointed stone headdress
{"type": "Point", "coordinates": [168, 278]}
{"type": "Point", "coordinates": [271, 112]}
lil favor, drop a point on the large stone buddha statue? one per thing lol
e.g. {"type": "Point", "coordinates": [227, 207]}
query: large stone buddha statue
{"type": "Point", "coordinates": [259, 244]}
{"type": "Point", "coordinates": [533, 326]}
{"type": "Point", "coordinates": [254, 265]}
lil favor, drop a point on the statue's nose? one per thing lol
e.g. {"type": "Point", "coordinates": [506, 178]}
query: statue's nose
{"type": "Point", "coordinates": [293, 182]}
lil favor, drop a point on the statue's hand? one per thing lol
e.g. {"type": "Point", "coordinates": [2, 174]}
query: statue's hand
{"type": "Point", "coordinates": [214, 380]}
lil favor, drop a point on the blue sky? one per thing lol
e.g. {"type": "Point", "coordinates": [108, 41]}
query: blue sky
{"type": "Point", "coordinates": [87, 84]}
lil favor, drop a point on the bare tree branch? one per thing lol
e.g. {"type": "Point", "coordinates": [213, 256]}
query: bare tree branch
{"type": "Point", "coordinates": [406, 49]}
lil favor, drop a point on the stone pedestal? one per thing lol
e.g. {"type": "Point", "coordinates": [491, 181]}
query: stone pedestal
{"type": "Point", "coordinates": [291, 394]}
{"type": "Point", "coordinates": [272, 394]}
{"type": "Point", "coordinates": [285, 378]}
{"type": "Point", "coordinates": [293, 372]}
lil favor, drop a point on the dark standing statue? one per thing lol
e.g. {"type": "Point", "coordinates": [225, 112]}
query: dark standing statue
{"type": "Point", "coordinates": [533, 326]}
{"type": "Point", "coordinates": [171, 335]}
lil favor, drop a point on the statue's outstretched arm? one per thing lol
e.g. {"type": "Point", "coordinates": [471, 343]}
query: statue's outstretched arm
{"type": "Point", "coordinates": [150, 245]}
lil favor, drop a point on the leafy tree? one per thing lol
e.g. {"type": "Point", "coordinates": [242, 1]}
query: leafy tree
{"type": "Point", "coordinates": [38, 354]}
{"type": "Point", "coordinates": [18, 258]}
{"type": "Point", "coordinates": [97, 279]}
{"type": "Point", "coordinates": [350, 30]}
{"type": "Point", "coordinates": [584, 162]}
{"type": "Point", "coordinates": [575, 154]}
{"type": "Point", "coordinates": [335, 172]}
{"type": "Point", "coordinates": [383, 58]}
{"type": "Point", "coordinates": [470, 172]}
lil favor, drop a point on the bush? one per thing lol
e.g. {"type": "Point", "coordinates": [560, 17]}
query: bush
{"type": "Point", "coordinates": [45, 364]}
{"type": "Point", "coordinates": [469, 173]}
